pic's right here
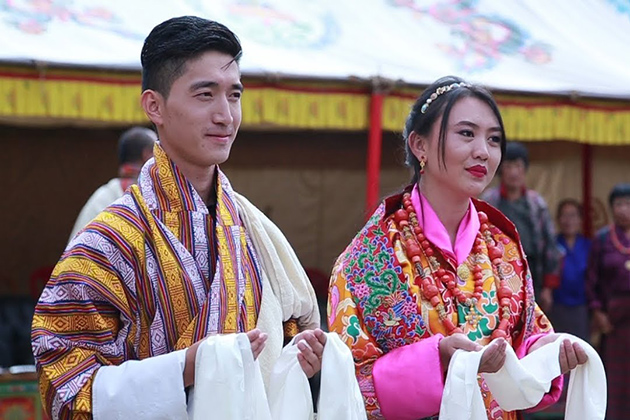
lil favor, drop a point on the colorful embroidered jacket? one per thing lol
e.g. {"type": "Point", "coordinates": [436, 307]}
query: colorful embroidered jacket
{"type": "Point", "coordinates": [136, 283]}
{"type": "Point", "coordinates": [376, 306]}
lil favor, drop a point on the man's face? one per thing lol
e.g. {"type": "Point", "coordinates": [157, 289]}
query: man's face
{"type": "Point", "coordinates": [621, 211]}
{"type": "Point", "coordinates": [513, 174]}
{"type": "Point", "coordinates": [202, 114]}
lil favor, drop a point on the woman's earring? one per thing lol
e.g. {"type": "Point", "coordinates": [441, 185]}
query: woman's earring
{"type": "Point", "coordinates": [422, 163]}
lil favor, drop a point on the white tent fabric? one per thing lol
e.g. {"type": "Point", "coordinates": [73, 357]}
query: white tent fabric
{"type": "Point", "coordinates": [565, 46]}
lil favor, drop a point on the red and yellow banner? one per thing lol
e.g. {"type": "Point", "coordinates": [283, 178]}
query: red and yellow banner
{"type": "Point", "coordinates": [30, 95]}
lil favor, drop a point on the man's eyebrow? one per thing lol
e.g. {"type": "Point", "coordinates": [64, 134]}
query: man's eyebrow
{"type": "Point", "coordinates": [210, 84]}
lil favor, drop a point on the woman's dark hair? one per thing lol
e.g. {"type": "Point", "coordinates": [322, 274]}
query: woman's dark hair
{"type": "Point", "coordinates": [173, 43]}
{"type": "Point", "coordinates": [441, 107]}
{"type": "Point", "coordinates": [569, 202]}
{"type": "Point", "coordinates": [618, 191]}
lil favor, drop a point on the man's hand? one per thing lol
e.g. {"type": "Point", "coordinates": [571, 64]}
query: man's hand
{"type": "Point", "coordinates": [256, 338]}
{"type": "Point", "coordinates": [310, 345]}
{"type": "Point", "coordinates": [448, 346]}
{"type": "Point", "coordinates": [571, 354]}
{"type": "Point", "coordinates": [546, 300]}
{"type": "Point", "coordinates": [602, 322]}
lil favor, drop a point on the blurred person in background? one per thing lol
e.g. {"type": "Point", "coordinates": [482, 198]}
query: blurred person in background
{"type": "Point", "coordinates": [608, 293]}
{"type": "Point", "coordinates": [135, 147]}
{"type": "Point", "coordinates": [528, 210]}
{"type": "Point", "coordinates": [570, 310]}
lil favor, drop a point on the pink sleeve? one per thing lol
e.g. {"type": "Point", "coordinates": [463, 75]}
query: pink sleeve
{"type": "Point", "coordinates": [409, 381]}
{"type": "Point", "coordinates": [554, 393]}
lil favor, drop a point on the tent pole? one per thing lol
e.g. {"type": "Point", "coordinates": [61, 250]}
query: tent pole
{"type": "Point", "coordinates": [587, 193]}
{"type": "Point", "coordinates": [374, 150]}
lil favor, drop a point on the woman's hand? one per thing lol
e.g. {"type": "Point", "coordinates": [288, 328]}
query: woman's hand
{"type": "Point", "coordinates": [449, 345]}
{"type": "Point", "coordinates": [571, 354]}
{"type": "Point", "coordinates": [494, 357]}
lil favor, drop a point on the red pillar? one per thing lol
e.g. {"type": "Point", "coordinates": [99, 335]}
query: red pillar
{"type": "Point", "coordinates": [587, 185]}
{"type": "Point", "coordinates": [375, 142]}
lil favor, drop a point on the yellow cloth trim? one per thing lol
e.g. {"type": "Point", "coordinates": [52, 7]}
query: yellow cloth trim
{"type": "Point", "coordinates": [541, 118]}
{"type": "Point", "coordinates": [228, 271]}
{"type": "Point", "coordinates": [170, 266]}
{"type": "Point", "coordinates": [250, 304]}
{"type": "Point", "coordinates": [100, 97]}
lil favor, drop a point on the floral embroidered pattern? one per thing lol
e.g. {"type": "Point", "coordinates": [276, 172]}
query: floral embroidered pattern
{"type": "Point", "coordinates": [376, 306]}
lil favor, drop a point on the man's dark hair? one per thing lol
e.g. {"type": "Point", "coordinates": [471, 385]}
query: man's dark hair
{"type": "Point", "coordinates": [133, 142]}
{"type": "Point", "coordinates": [620, 190]}
{"type": "Point", "coordinates": [173, 43]}
{"type": "Point", "coordinates": [515, 150]}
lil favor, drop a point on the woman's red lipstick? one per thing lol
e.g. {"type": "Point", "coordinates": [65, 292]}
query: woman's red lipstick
{"type": "Point", "coordinates": [478, 170]}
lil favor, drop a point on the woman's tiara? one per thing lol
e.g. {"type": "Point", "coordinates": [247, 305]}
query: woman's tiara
{"type": "Point", "coordinates": [439, 91]}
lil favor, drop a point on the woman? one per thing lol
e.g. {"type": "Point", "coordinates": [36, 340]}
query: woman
{"type": "Point", "coordinates": [570, 311]}
{"type": "Point", "coordinates": [434, 270]}
{"type": "Point", "coordinates": [608, 292]}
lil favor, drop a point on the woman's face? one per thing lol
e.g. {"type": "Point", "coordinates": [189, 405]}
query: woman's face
{"type": "Point", "coordinates": [569, 220]}
{"type": "Point", "coordinates": [621, 211]}
{"type": "Point", "coordinates": [472, 150]}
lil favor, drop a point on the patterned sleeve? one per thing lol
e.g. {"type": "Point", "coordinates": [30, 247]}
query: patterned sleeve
{"type": "Point", "coordinates": [345, 319]}
{"type": "Point", "coordinates": [80, 323]}
{"type": "Point", "coordinates": [539, 323]}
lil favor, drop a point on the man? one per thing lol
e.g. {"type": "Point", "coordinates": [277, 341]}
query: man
{"type": "Point", "coordinates": [529, 212]}
{"type": "Point", "coordinates": [135, 147]}
{"type": "Point", "coordinates": [179, 257]}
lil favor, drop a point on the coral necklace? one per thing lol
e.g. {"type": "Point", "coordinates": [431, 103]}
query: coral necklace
{"type": "Point", "coordinates": [619, 246]}
{"type": "Point", "coordinates": [616, 242]}
{"type": "Point", "coordinates": [416, 245]}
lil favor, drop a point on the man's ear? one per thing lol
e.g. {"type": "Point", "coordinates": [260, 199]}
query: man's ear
{"type": "Point", "coordinates": [153, 104]}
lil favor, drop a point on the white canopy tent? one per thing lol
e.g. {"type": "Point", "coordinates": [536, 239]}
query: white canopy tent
{"type": "Point", "coordinates": [69, 78]}
{"type": "Point", "coordinates": [561, 47]}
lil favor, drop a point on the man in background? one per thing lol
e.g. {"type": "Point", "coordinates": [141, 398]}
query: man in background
{"type": "Point", "coordinates": [135, 147]}
{"type": "Point", "coordinates": [529, 212]}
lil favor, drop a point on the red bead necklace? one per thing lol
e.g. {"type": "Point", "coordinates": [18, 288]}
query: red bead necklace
{"type": "Point", "coordinates": [616, 242]}
{"type": "Point", "coordinates": [416, 244]}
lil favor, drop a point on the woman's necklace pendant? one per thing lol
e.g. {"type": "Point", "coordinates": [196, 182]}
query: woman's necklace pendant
{"type": "Point", "coordinates": [473, 317]}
